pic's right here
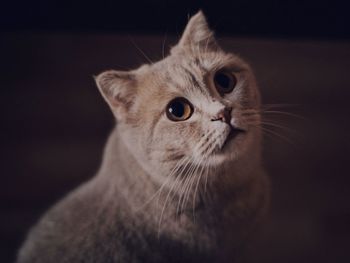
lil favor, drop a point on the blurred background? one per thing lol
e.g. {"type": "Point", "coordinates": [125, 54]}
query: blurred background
{"type": "Point", "coordinates": [54, 123]}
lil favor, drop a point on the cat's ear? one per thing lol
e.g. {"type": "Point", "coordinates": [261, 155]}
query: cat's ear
{"type": "Point", "coordinates": [197, 34]}
{"type": "Point", "coordinates": [118, 88]}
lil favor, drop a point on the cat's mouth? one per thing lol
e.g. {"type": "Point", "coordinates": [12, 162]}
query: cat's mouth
{"type": "Point", "coordinates": [234, 132]}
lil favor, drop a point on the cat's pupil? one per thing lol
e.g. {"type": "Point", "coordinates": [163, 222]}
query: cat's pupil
{"type": "Point", "coordinates": [177, 109]}
{"type": "Point", "coordinates": [223, 80]}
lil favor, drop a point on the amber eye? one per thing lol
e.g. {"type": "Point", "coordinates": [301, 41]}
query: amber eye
{"type": "Point", "coordinates": [179, 109]}
{"type": "Point", "coordinates": [224, 82]}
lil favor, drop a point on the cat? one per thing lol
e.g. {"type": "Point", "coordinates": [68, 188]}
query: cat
{"type": "Point", "coordinates": [181, 178]}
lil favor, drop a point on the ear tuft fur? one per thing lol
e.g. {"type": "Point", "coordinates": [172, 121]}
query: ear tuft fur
{"type": "Point", "coordinates": [197, 34]}
{"type": "Point", "coordinates": [118, 89]}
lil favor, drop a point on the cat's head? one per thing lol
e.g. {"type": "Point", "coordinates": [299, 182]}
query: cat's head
{"type": "Point", "coordinates": [198, 105]}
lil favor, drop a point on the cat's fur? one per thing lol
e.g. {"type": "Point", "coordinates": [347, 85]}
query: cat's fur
{"type": "Point", "coordinates": [121, 215]}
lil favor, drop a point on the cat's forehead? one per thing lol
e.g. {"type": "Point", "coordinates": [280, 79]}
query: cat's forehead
{"type": "Point", "coordinates": [188, 71]}
{"type": "Point", "coordinates": [184, 69]}
{"type": "Point", "coordinates": [183, 73]}
{"type": "Point", "coordinates": [200, 62]}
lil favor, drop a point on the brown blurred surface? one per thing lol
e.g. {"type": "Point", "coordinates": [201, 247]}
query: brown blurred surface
{"type": "Point", "coordinates": [54, 125]}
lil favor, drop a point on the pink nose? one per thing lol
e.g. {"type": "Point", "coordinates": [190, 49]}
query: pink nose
{"type": "Point", "coordinates": [224, 115]}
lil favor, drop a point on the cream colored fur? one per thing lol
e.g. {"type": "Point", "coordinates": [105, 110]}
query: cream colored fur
{"type": "Point", "coordinates": [166, 191]}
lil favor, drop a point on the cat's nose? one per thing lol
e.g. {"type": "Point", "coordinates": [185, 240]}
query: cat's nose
{"type": "Point", "coordinates": [223, 115]}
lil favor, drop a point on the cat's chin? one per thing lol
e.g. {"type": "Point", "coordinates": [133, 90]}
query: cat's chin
{"type": "Point", "coordinates": [231, 151]}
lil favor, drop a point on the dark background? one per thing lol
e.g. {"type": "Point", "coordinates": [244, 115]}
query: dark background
{"type": "Point", "coordinates": [288, 18]}
{"type": "Point", "coordinates": [54, 123]}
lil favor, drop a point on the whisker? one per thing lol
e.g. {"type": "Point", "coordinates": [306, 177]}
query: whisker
{"type": "Point", "coordinates": [191, 176]}
{"type": "Point", "coordinates": [141, 51]}
{"type": "Point", "coordinates": [209, 151]}
{"type": "Point", "coordinates": [189, 181]}
{"type": "Point", "coordinates": [250, 111]}
{"type": "Point", "coordinates": [181, 187]}
{"type": "Point", "coordinates": [278, 126]}
{"type": "Point", "coordinates": [176, 167]}
{"type": "Point", "coordinates": [189, 173]}
{"type": "Point", "coordinates": [279, 105]}
{"type": "Point", "coordinates": [196, 189]}
{"type": "Point", "coordinates": [178, 183]}
{"type": "Point", "coordinates": [187, 191]}
{"type": "Point", "coordinates": [272, 136]}
{"type": "Point", "coordinates": [179, 169]}
{"type": "Point", "coordinates": [174, 188]}
{"type": "Point", "coordinates": [158, 192]}
{"type": "Point", "coordinates": [185, 186]}
{"type": "Point", "coordinates": [163, 45]}
{"type": "Point", "coordinates": [167, 197]}
{"type": "Point", "coordinates": [284, 113]}
{"type": "Point", "coordinates": [275, 134]}
{"type": "Point", "coordinates": [206, 177]}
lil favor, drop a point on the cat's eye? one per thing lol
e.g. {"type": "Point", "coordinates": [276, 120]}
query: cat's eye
{"type": "Point", "coordinates": [179, 109]}
{"type": "Point", "coordinates": [224, 82]}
